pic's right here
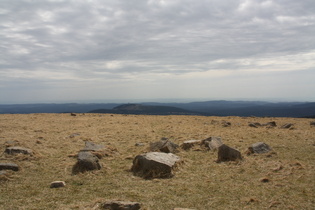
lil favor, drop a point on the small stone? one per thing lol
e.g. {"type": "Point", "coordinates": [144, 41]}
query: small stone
{"type": "Point", "coordinates": [138, 144]}
{"type": "Point", "coordinates": [264, 180]}
{"type": "Point", "coordinates": [259, 148]}
{"type": "Point", "coordinates": [57, 184]}
{"type": "Point", "coordinates": [226, 153]}
{"type": "Point", "coordinates": [163, 146]}
{"type": "Point", "coordinates": [312, 123]}
{"type": "Point", "coordinates": [18, 150]}
{"type": "Point", "coordinates": [213, 143]}
{"type": "Point", "coordinates": [120, 205]}
{"type": "Point", "coordinates": [190, 143]}
{"type": "Point", "coordinates": [86, 162]}
{"type": "Point", "coordinates": [9, 166]}
{"type": "Point", "coordinates": [286, 126]}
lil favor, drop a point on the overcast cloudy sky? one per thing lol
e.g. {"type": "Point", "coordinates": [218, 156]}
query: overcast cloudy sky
{"type": "Point", "coordinates": [85, 50]}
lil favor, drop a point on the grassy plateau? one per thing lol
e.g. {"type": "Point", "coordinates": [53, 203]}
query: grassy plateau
{"type": "Point", "coordinates": [281, 179]}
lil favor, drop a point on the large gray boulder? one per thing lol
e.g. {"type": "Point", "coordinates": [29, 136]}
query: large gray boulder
{"type": "Point", "coordinates": [9, 166]}
{"type": "Point", "coordinates": [155, 165]}
{"type": "Point", "coordinates": [226, 153]}
{"type": "Point", "coordinates": [86, 162]}
{"type": "Point", "coordinates": [120, 205]}
{"type": "Point", "coordinates": [213, 142]}
{"type": "Point", "coordinates": [259, 148]}
{"type": "Point", "coordinates": [18, 150]}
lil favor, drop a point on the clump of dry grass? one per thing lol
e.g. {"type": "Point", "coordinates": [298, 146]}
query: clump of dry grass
{"type": "Point", "coordinates": [199, 183]}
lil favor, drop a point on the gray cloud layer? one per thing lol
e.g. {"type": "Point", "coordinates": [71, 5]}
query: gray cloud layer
{"type": "Point", "coordinates": [64, 43]}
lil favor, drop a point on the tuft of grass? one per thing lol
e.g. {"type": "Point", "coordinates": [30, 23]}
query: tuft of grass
{"type": "Point", "coordinates": [283, 178]}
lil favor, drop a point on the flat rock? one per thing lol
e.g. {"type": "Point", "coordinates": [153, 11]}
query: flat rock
{"type": "Point", "coordinates": [259, 148]}
{"type": "Point", "coordinates": [155, 165]}
{"type": "Point", "coordinates": [9, 166]}
{"type": "Point", "coordinates": [86, 162]}
{"type": "Point", "coordinates": [226, 153]}
{"type": "Point", "coordinates": [213, 142]}
{"type": "Point", "coordinates": [120, 205]}
{"type": "Point", "coordinates": [270, 124]}
{"type": "Point", "coordinates": [312, 123]}
{"type": "Point", "coordinates": [90, 146]}
{"type": "Point", "coordinates": [18, 150]}
{"type": "Point", "coordinates": [254, 125]}
{"type": "Point", "coordinates": [190, 143]}
{"type": "Point", "coordinates": [57, 184]}
{"type": "Point", "coordinates": [286, 126]}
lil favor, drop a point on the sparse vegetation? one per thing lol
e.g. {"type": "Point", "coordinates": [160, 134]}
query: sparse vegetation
{"type": "Point", "coordinates": [283, 178]}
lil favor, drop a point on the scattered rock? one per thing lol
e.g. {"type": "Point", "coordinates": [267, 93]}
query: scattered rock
{"type": "Point", "coordinates": [164, 146]}
{"type": "Point", "coordinates": [226, 153]}
{"type": "Point", "coordinates": [73, 114]}
{"type": "Point", "coordinates": [312, 123]}
{"type": "Point", "coordinates": [9, 166]}
{"type": "Point", "coordinates": [259, 148]}
{"type": "Point", "coordinates": [18, 150]}
{"type": "Point", "coordinates": [155, 165]}
{"type": "Point", "coordinates": [270, 124]}
{"type": "Point", "coordinates": [138, 144]}
{"type": "Point", "coordinates": [11, 143]}
{"type": "Point", "coordinates": [286, 126]}
{"type": "Point", "coordinates": [57, 184]}
{"type": "Point", "coordinates": [190, 143]}
{"type": "Point", "coordinates": [264, 180]}
{"type": "Point", "coordinates": [213, 142]}
{"type": "Point", "coordinates": [86, 162]}
{"type": "Point", "coordinates": [74, 135]}
{"type": "Point", "coordinates": [182, 209]}
{"type": "Point", "coordinates": [226, 124]}
{"type": "Point", "coordinates": [90, 146]}
{"type": "Point", "coordinates": [120, 205]}
{"type": "Point", "coordinates": [254, 125]}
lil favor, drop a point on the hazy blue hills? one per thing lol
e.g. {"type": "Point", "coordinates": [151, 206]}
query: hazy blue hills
{"type": "Point", "coordinates": [206, 108]}
{"type": "Point", "coordinates": [147, 110]}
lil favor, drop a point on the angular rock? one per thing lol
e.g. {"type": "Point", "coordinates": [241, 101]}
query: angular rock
{"type": "Point", "coordinates": [259, 148]}
{"type": "Point", "coordinates": [190, 143]}
{"type": "Point", "coordinates": [163, 146]}
{"type": "Point", "coordinates": [57, 184]}
{"type": "Point", "coordinates": [312, 123]}
{"type": "Point", "coordinates": [139, 144]}
{"type": "Point", "coordinates": [226, 124]}
{"type": "Point", "coordinates": [86, 162]}
{"type": "Point", "coordinates": [213, 142]}
{"type": "Point", "coordinates": [286, 126]}
{"type": "Point", "coordinates": [226, 153]}
{"type": "Point", "coordinates": [18, 150]}
{"type": "Point", "coordinates": [120, 205]}
{"type": "Point", "coordinates": [9, 166]}
{"type": "Point", "coordinates": [270, 124]}
{"type": "Point", "coordinates": [90, 146]}
{"type": "Point", "coordinates": [254, 125]}
{"type": "Point", "coordinates": [155, 165]}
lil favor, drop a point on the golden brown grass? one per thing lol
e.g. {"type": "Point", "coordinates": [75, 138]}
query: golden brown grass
{"type": "Point", "coordinates": [284, 179]}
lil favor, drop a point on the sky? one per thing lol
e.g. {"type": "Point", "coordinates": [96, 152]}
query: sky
{"type": "Point", "coordinates": [55, 51]}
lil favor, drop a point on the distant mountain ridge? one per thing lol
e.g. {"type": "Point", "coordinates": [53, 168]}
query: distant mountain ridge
{"type": "Point", "coordinates": [147, 110]}
{"type": "Point", "coordinates": [206, 108]}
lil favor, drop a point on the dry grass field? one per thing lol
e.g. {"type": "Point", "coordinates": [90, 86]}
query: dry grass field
{"type": "Point", "coordinates": [199, 183]}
